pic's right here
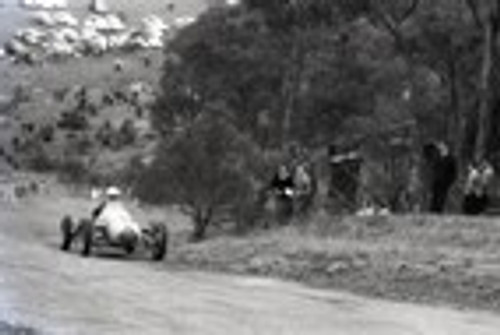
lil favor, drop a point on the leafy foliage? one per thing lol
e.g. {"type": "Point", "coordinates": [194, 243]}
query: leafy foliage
{"type": "Point", "coordinates": [204, 168]}
{"type": "Point", "coordinates": [381, 76]}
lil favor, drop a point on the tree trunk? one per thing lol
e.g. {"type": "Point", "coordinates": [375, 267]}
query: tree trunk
{"type": "Point", "coordinates": [291, 89]}
{"type": "Point", "coordinates": [485, 91]}
{"type": "Point", "coordinates": [202, 219]}
{"type": "Point", "coordinates": [454, 130]}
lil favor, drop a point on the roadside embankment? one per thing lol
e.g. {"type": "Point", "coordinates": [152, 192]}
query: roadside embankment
{"type": "Point", "coordinates": [452, 261]}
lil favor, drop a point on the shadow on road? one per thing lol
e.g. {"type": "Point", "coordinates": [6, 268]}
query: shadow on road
{"type": "Point", "coordinates": [101, 253]}
{"type": "Point", "coordinates": [10, 329]}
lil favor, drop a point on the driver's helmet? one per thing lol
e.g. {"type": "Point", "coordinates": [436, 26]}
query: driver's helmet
{"type": "Point", "coordinates": [113, 192]}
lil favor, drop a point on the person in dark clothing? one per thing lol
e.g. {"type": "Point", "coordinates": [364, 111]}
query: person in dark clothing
{"type": "Point", "coordinates": [282, 183]}
{"type": "Point", "coordinates": [282, 187]}
{"type": "Point", "coordinates": [443, 173]}
{"type": "Point", "coordinates": [344, 171]}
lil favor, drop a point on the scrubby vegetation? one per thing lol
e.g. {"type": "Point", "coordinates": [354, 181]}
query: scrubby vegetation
{"type": "Point", "coordinates": [205, 168]}
{"type": "Point", "coordinates": [78, 125]}
{"type": "Point", "coordinates": [376, 77]}
{"type": "Point", "coordinates": [448, 262]}
{"type": "Point", "coordinates": [371, 76]}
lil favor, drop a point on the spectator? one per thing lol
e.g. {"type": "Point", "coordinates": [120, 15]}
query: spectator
{"type": "Point", "coordinates": [282, 189]}
{"type": "Point", "coordinates": [344, 170]}
{"type": "Point", "coordinates": [476, 197]}
{"type": "Point", "coordinates": [302, 180]}
{"type": "Point", "coordinates": [443, 173]}
{"type": "Point", "coordinates": [282, 183]}
{"type": "Point", "coordinates": [304, 188]}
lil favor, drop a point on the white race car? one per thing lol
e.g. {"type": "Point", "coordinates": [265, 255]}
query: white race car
{"type": "Point", "coordinates": [153, 239]}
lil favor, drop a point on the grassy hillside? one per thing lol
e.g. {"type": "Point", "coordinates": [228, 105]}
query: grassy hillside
{"type": "Point", "coordinates": [41, 107]}
{"type": "Point", "coordinates": [41, 84]}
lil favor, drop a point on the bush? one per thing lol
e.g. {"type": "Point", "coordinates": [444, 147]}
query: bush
{"type": "Point", "coordinates": [21, 94]}
{"type": "Point", "coordinates": [47, 133]}
{"type": "Point", "coordinates": [112, 138]}
{"type": "Point", "coordinates": [73, 121]}
{"type": "Point", "coordinates": [73, 171]}
{"type": "Point", "coordinates": [127, 133]}
{"type": "Point", "coordinates": [204, 169]}
{"type": "Point", "coordinates": [40, 161]}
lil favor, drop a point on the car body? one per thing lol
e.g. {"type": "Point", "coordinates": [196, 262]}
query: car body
{"type": "Point", "coordinates": [152, 239]}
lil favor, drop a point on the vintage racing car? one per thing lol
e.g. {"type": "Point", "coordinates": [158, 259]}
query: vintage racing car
{"type": "Point", "coordinates": [153, 239]}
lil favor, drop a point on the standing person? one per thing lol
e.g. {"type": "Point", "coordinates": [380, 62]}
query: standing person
{"type": "Point", "coordinates": [283, 191]}
{"type": "Point", "coordinates": [305, 187]}
{"type": "Point", "coordinates": [476, 197]}
{"type": "Point", "coordinates": [443, 173]}
{"type": "Point", "coordinates": [344, 184]}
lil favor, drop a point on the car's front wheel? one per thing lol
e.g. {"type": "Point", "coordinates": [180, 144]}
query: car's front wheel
{"type": "Point", "coordinates": [67, 232]}
{"type": "Point", "coordinates": [87, 233]}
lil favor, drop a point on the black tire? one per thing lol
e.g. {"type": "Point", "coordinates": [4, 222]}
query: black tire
{"type": "Point", "coordinates": [129, 240]}
{"type": "Point", "coordinates": [129, 250]}
{"type": "Point", "coordinates": [67, 232]}
{"type": "Point", "coordinates": [159, 235]}
{"type": "Point", "coordinates": [87, 232]}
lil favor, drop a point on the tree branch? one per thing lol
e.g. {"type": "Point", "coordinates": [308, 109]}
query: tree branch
{"type": "Point", "coordinates": [394, 21]}
{"type": "Point", "coordinates": [409, 12]}
{"type": "Point", "coordinates": [391, 23]}
{"type": "Point", "coordinates": [475, 12]}
{"type": "Point", "coordinates": [388, 23]}
{"type": "Point", "coordinates": [495, 19]}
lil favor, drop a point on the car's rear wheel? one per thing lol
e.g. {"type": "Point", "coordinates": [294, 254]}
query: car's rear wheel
{"type": "Point", "coordinates": [67, 232]}
{"type": "Point", "coordinates": [87, 233]}
{"type": "Point", "coordinates": [159, 236]}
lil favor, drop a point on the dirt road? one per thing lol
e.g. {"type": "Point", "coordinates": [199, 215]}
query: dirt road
{"type": "Point", "coordinates": [62, 293]}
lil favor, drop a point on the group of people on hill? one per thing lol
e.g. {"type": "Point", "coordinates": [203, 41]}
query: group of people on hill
{"type": "Point", "coordinates": [429, 184]}
{"type": "Point", "coordinates": [294, 186]}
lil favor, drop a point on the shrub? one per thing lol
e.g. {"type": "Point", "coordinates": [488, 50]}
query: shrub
{"type": "Point", "coordinates": [105, 134]}
{"type": "Point", "coordinates": [73, 171]}
{"type": "Point", "coordinates": [47, 133]}
{"type": "Point", "coordinates": [206, 170]}
{"type": "Point", "coordinates": [73, 121]}
{"type": "Point", "coordinates": [21, 94]}
{"type": "Point", "coordinates": [40, 161]}
{"type": "Point", "coordinates": [127, 133]}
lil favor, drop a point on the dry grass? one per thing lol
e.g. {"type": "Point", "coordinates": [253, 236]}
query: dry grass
{"type": "Point", "coordinates": [91, 72]}
{"type": "Point", "coordinates": [435, 260]}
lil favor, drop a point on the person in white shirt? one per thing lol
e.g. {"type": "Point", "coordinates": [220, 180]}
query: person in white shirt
{"type": "Point", "coordinates": [476, 197]}
{"type": "Point", "coordinates": [113, 218]}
